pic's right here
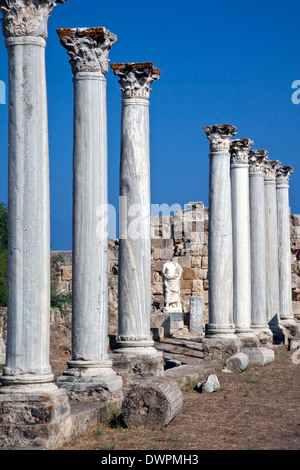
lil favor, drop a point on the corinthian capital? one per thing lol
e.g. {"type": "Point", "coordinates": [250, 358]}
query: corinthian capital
{"type": "Point", "coordinates": [136, 78]}
{"type": "Point", "coordinates": [88, 48]}
{"type": "Point", "coordinates": [271, 167]}
{"type": "Point", "coordinates": [239, 150]}
{"type": "Point", "coordinates": [257, 160]}
{"type": "Point", "coordinates": [283, 175]}
{"type": "Point", "coordinates": [219, 137]}
{"type": "Point", "coordinates": [26, 17]}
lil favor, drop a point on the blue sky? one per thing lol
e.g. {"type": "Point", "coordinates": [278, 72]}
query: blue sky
{"type": "Point", "coordinates": [222, 62]}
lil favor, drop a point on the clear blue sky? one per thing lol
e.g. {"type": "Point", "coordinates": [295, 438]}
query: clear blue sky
{"type": "Point", "coordinates": [222, 62]}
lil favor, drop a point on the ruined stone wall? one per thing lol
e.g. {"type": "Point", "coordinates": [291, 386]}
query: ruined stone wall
{"type": "Point", "coordinates": [183, 235]}
{"type": "Point", "coordinates": [295, 248]}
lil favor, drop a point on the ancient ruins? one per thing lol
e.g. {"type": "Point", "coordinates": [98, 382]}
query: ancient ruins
{"type": "Point", "coordinates": [227, 275]}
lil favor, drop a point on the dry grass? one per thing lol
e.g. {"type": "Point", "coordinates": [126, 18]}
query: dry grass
{"type": "Point", "coordinates": [258, 409]}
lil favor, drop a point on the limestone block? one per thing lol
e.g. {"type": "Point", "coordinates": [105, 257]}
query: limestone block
{"type": "Point", "coordinates": [196, 261]}
{"type": "Point", "coordinates": [201, 274]}
{"type": "Point", "coordinates": [66, 273]}
{"type": "Point", "coordinates": [157, 333]}
{"type": "Point", "coordinates": [184, 261]}
{"type": "Point", "coordinates": [157, 266]}
{"type": "Point", "coordinates": [156, 253]}
{"type": "Point", "coordinates": [296, 219]}
{"type": "Point", "coordinates": [211, 384]}
{"type": "Point", "coordinates": [197, 286]}
{"type": "Point", "coordinates": [171, 363]}
{"type": "Point", "coordinates": [260, 356]}
{"type": "Point", "coordinates": [186, 284]}
{"type": "Point", "coordinates": [238, 363]}
{"type": "Point", "coordinates": [152, 404]}
{"type": "Point", "coordinates": [189, 274]}
{"type": "Point", "coordinates": [167, 254]}
{"type": "Point", "coordinates": [196, 315]}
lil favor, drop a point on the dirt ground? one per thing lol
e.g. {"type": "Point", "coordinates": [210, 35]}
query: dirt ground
{"type": "Point", "coordinates": [258, 409]}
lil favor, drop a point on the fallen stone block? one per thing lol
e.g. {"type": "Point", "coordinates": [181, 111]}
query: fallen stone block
{"type": "Point", "coordinates": [211, 384]}
{"type": "Point", "coordinates": [170, 363]}
{"type": "Point", "coordinates": [260, 356]}
{"type": "Point", "coordinates": [152, 404]}
{"type": "Point", "coordinates": [238, 363]}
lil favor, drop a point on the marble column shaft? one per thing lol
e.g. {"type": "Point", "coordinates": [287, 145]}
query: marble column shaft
{"type": "Point", "coordinates": [284, 243]}
{"type": "Point", "coordinates": [28, 320]}
{"type": "Point", "coordinates": [257, 159]}
{"type": "Point", "coordinates": [88, 49]}
{"type": "Point", "coordinates": [135, 243]}
{"type": "Point", "coordinates": [272, 269]}
{"type": "Point", "coordinates": [220, 256]}
{"type": "Point", "coordinates": [241, 235]}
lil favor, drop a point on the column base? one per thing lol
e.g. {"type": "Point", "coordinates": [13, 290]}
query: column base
{"type": "Point", "coordinates": [220, 347]}
{"type": "Point", "coordinates": [136, 359]}
{"type": "Point", "coordinates": [82, 376]}
{"type": "Point", "coordinates": [244, 332]}
{"type": "Point", "coordinates": [132, 347]}
{"type": "Point", "coordinates": [220, 331]}
{"type": "Point", "coordinates": [34, 416]}
{"type": "Point", "coordinates": [26, 379]}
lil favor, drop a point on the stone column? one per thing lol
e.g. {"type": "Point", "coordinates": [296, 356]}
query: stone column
{"type": "Point", "coordinates": [90, 365]}
{"type": "Point", "coordinates": [220, 260]}
{"type": "Point", "coordinates": [272, 269]}
{"type": "Point", "coordinates": [135, 244]}
{"type": "Point", "coordinates": [257, 159]}
{"type": "Point", "coordinates": [33, 410]}
{"type": "Point", "coordinates": [284, 243]}
{"type": "Point", "coordinates": [241, 235]}
{"type": "Point", "coordinates": [25, 29]}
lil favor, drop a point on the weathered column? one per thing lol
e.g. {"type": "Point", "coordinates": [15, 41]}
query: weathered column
{"type": "Point", "coordinates": [272, 269]}
{"type": "Point", "coordinates": [257, 159]}
{"type": "Point", "coordinates": [135, 244]}
{"type": "Point", "coordinates": [25, 29]}
{"type": "Point", "coordinates": [241, 235]}
{"type": "Point", "coordinates": [33, 410]}
{"type": "Point", "coordinates": [90, 365]}
{"type": "Point", "coordinates": [220, 257]}
{"type": "Point", "coordinates": [284, 243]}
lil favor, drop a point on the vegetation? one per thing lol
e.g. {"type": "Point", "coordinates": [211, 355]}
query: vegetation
{"type": "Point", "coordinates": [3, 254]}
{"type": "Point", "coordinates": [59, 300]}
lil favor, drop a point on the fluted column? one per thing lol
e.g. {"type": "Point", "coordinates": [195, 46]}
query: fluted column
{"type": "Point", "coordinates": [272, 268]}
{"type": "Point", "coordinates": [24, 26]}
{"type": "Point", "coordinates": [257, 159]}
{"type": "Point", "coordinates": [220, 257]}
{"type": "Point", "coordinates": [241, 235]}
{"type": "Point", "coordinates": [90, 365]}
{"type": "Point", "coordinates": [135, 244]}
{"type": "Point", "coordinates": [284, 243]}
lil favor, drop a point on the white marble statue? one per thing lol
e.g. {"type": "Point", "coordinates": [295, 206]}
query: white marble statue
{"type": "Point", "coordinates": [171, 272]}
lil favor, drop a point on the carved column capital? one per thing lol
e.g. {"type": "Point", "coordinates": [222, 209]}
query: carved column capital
{"type": "Point", "coordinates": [26, 17]}
{"type": "Point", "coordinates": [136, 78]}
{"type": "Point", "coordinates": [283, 174]}
{"type": "Point", "coordinates": [239, 150]}
{"type": "Point", "coordinates": [88, 48]}
{"type": "Point", "coordinates": [219, 137]}
{"type": "Point", "coordinates": [257, 160]}
{"type": "Point", "coordinates": [271, 167]}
